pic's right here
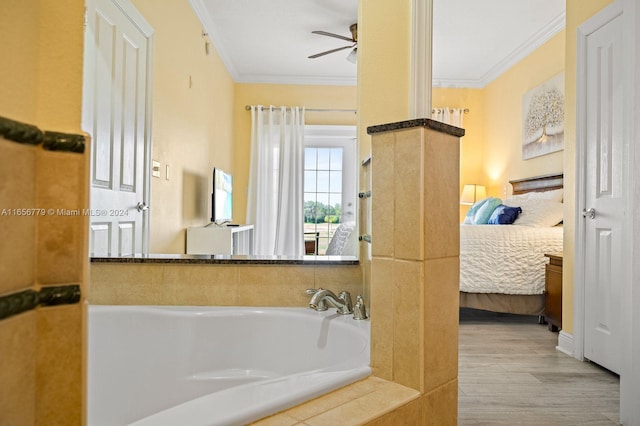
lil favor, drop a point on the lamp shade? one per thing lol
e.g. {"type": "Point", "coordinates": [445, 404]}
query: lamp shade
{"type": "Point", "coordinates": [472, 193]}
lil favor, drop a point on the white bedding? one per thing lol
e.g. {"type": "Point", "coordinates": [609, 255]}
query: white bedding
{"type": "Point", "coordinates": [506, 259]}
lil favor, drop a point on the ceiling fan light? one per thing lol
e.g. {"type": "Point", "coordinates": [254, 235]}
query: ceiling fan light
{"type": "Point", "coordinates": [353, 56]}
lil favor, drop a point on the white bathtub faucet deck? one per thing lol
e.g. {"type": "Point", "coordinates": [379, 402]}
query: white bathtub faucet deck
{"type": "Point", "coordinates": [188, 366]}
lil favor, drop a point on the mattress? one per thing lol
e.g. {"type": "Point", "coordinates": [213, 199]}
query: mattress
{"type": "Point", "coordinates": [506, 259]}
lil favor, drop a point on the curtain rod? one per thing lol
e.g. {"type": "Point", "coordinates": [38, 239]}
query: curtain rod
{"type": "Point", "coordinates": [465, 111]}
{"type": "Point", "coordinates": [248, 108]}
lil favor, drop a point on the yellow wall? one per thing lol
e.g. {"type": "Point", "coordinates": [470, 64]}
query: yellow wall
{"type": "Point", "coordinates": [578, 11]}
{"type": "Point", "coordinates": [20, 42]}
{"type": "Point", "coordinates": [192, 127]}
{"type": "Point", "coordinates": [33, 44]}
{"type": "Point", "coordinates": [502, 105]}
{"type": "Point", "coordinates": [472, 149]}
{"type": "Point", "coordinates": [384, 52]}
{"type": "Point", "coordinates": [330, 97]}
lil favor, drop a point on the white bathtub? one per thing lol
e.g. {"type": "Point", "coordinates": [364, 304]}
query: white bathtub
{"type": "Point", "coordinates": [188, 366]}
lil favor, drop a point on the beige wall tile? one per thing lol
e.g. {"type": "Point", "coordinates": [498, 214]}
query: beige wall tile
{"type": "Point", "coordinates": [441, 317]}
{"type": "Point", "coordinates": [279, 419]}
{"type": "Point", "coordinates": [442, 198]}
{"type": "Point", "coordinates": [17, 191]}
{"type": "Point", "coordinates": [382, 187]}
{"type": "Point", "coordinates": [411, 413]}
{"type": "Point", "coordinates": [217, 285]}
{"type": "Point", "coordinates": [382, 317]}
{"type": "Point", "coordinates": [127, 284]}
{"type": "Point", "coordinates": [202, 284]}
{"type": "Point", "coordinates": [59, 388]}
{"type": "Point", "coordinates": [61, 184]}
{"type": "Point", "coordinates": [409, 193]}
{"type": "Point", "coordinates": [366, 408]}
{"type": "Point", "coordinates": [340, 278]}
{"type": "Point", "coordinates": [336, 398]}
{"type": "Point", "coordinates": [273, 285]}
{"type": "Point", "coordinates": [18, 370]}
{"type": "Point", "coordinates": [408, 327]}
{"type": "Point", "coordinates": [441, 405]}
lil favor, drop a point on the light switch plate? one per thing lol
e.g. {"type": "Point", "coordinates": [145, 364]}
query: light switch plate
{"type": "Point", "coordinates": [167, 172]}
{"type": "Point", "coordinates": [155, 168]}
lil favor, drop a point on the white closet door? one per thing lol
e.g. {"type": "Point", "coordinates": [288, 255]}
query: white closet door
{"type": "Point", "coordinates": [605, 192]}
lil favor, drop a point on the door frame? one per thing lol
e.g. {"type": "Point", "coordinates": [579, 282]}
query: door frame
{"type": "Point", "coordinates": [630, 378]}
{"type": "Point", "coordinates": [138, 20]}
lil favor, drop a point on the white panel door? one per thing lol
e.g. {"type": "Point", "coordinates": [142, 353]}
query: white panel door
{"type": "Point", "coordinates": [605, 194]}
{"type": "Point", "coordinates": [115, 113]}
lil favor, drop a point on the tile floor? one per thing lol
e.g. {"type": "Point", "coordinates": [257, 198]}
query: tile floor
{"type": "Point", "coordinates": [511, 374]}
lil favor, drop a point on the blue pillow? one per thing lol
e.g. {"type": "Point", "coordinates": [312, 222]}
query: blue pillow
{"type": "Point", "coordinates": [481, 211]}
{"type": "Point", "coordinates": [469, 218]}
{"type": "Point", "coordinates": [504, 215]}
{"type": "Point", "coordinates": [484, 213]}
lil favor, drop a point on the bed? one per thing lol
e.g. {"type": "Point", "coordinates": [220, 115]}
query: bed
{"type": "Point", "coordinates": [502, 267]}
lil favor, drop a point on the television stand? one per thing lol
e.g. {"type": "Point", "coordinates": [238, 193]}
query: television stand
{"type": "Point", "coordinates": [220, 239]}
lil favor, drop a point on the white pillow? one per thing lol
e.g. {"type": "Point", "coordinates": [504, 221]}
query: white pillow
{"type": "Point", "coordinates": [340, 238]}
{"type": "Point", "coordinates": [539, 213]}
{"type": "Point", "coordinates": [554, 195]}
{"type": "Point", "coordinates": [515, 200]}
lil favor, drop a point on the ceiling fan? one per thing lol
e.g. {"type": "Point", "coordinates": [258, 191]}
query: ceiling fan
{"type": "Point", "coordinates": [353, 28]}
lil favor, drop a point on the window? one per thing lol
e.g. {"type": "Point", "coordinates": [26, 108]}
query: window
{"type": "Point", "coordinates": [329, 184]}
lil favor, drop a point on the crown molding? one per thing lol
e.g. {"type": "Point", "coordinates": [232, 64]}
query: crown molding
{"type": "Point", "coordinates": [317, 80]}
{"type": "Point", "coordinates": [215, 37]}
{"type": "Point", "coordinates": [525, 49]}
{"type": "Point", "coordinates": [460, 83]}
{"type": "Point", "coordinates": [521, 52]}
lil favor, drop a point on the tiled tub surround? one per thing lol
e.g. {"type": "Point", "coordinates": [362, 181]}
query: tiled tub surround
{"type": "Point", "coordinates": [414, 286]}
{"type": "Point", "coordinates": [216, 284]}
{"type": "Point", "coordinates": [42, 275]}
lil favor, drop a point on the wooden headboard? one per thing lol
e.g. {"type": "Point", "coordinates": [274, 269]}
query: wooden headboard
{"type": "Point", "coordinates": [538, 183]}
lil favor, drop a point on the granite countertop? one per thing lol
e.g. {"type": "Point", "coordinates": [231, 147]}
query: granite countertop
{"type": "Point", "coordinates": [220, 259]}
{"type": "Point", "coordinates": [418, 122]}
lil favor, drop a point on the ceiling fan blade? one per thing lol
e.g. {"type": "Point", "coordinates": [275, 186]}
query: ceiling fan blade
{"type": "Point", "coordinates": [324, 33]}
{"type": "Point", "coordinates": [317, 55]}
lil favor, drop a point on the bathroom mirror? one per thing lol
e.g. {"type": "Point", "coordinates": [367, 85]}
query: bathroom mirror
{"type": "Point", "coordinates": [199, 121]}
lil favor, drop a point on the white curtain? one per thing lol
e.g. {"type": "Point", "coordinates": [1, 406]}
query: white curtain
{"type": "Point", "coordinates": [275, 199]}
{"type": "Point", "coordinates": [448, 115]}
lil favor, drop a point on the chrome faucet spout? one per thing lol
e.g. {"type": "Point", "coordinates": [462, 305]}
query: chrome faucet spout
{"type": "Point", "coordinates": [323, 296]}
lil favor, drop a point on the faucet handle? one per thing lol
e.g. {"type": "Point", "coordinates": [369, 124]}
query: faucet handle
{"type": "Point", "coordinates": [359, 310]}
{"type": "Point", "coordinates": [346, 298]}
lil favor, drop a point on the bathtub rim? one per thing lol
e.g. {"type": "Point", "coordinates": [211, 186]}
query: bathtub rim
{"type": "Point", "coordinates": [316, 380]}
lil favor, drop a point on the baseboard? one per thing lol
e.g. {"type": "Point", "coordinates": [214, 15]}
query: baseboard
{"type": "Point", "coordinates": [565, 343]}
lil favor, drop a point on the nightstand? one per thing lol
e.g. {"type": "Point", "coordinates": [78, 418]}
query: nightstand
{"type": "Point", "coordinates": [553, 292]}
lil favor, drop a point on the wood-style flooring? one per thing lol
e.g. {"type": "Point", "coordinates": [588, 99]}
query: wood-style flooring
{"type": "Point", "coordinates": [510, 373]}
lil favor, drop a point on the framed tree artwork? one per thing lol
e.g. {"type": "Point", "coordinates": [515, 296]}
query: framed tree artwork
{"type": "Point", "coordinates": [543, 118]}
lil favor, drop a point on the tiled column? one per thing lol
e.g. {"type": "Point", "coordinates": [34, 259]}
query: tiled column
{"type": "Point", "coordinates": [43, 269]}
{"type": "Point", "coordinates": [415, 261]}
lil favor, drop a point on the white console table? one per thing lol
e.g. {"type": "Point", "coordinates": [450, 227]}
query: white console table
{"type": "Point", "coordinates": [214, 239]}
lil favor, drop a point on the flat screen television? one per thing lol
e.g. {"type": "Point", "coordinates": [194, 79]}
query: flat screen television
{"type": "Point", "coordinates": [222, 197]}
